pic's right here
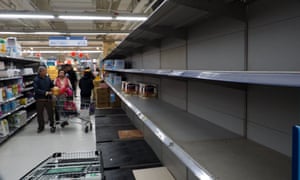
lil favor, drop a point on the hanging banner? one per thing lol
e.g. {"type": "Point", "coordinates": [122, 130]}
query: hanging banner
{"type": "Point", "coordinates": [67, 41]}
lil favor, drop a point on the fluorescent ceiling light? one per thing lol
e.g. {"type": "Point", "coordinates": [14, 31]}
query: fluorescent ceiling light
{"type": "Point", "coordinates": [26, 16]}
{"type": "Point", "coordinates": [69, 17]}
{"type": "Point", "coordinates": [131, 18]}
{"type": "Point", "coordinates": [38, 33]}
{"type": "Point", "coordinates": [51, 52]}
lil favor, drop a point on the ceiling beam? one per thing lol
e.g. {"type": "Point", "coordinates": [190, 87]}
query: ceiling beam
{"type": "Point", "coordinates": [166, 31]}
{"type": "Point", "coordinates": [68, 31]}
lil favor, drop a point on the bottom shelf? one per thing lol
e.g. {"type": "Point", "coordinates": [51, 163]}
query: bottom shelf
{"type": "Point", "coordinates": [30, 116]}
{"type": "Point", "coordinates": [207, 150]}
{"type": "Point", "coordinates": [239, 158]}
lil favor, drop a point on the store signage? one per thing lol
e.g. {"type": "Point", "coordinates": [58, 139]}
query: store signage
{"type": "Point", "coordinates": [67, 41]}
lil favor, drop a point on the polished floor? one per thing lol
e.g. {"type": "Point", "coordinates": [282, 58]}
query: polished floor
{"type": "Point", "coordinates": [27, 148]}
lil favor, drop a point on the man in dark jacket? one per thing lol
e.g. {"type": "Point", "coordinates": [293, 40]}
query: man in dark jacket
{"type": "Point", "coordinates": [42, 86]}
{"type": "Point", "coordinates": [86, 85]}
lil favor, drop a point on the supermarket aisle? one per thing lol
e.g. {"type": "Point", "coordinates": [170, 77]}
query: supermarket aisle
{"type": "Point", "coordinates": [27, 148]}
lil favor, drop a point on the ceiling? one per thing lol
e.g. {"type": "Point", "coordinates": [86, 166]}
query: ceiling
{"type": "Point", "coordinates": [103, 30]}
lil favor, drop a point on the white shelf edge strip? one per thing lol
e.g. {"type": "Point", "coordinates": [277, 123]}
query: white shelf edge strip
{"type": "Point", "coordinates": [196, 168]}
{"type": "Point", "coordinates": [248, 77]}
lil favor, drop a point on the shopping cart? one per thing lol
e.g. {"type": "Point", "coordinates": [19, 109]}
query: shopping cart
{"type": "Point", "coordinates": [69, 166]}
{"type": "Point", "coordinates": [66, 111]}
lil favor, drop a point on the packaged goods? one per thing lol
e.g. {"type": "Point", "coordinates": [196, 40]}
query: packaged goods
{"type": "Point", "coordinates": [117, 80]}
{"type": "Point", "coordinates": [147, 90]}
{"type": "Point", "coordinates": [131, 88]}
{"type": "Point", "coordinates": [119, 64]}
{"type": "Point", "coordinates": [4, 128]}
{"type": "Point", "coordinates": [108, 64]}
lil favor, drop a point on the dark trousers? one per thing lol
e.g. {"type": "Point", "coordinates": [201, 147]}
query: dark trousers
{"type": "Point", "coordinates": [42, 104]}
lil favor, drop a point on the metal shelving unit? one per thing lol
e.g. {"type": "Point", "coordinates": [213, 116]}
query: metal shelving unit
{"type": "Point", "coordinates": [29, 103]}
{"type": "Point", "coordinates": [10, 112]}
{"type": "Point", "coordinates": [27, 89]}
{"type": "Point", "coordinates": [275, 78]}
{"type": "Point", "coordinates": [34, 74]}
{"type": "Point", "coordinates": [15, 130]}
{"type": "Point", "coordinates": [10, 78]}
{"type": "Point", "coordinates": [20, 62]}
{"type": "Point", "coordinates": [11, 99]}
{"type": "Point", "coordinates": [203, 147]}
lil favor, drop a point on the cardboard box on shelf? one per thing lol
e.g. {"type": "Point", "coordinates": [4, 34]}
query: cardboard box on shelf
{"type": "Point", "coordinates": [128, 134]}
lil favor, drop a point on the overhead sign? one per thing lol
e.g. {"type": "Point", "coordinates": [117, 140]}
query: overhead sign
{"type": "Point", "coordinates": [67, 41]}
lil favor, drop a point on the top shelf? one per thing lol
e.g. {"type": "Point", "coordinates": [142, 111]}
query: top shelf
{"type": "Point", "coordinates": [171, 19]}
{"type": "Point", "coordinates": [272, 78]}
{"type": "Point", "coordinates": [18, 60]}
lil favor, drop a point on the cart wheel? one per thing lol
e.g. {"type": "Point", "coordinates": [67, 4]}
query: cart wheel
{"type": "Point", "coordinates": [91, 126]}
{"type": "Point", "coordinates": [86, 130]}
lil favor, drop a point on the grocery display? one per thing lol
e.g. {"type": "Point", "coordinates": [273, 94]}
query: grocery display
{"type": "Point", "coordinates": [16, 96]}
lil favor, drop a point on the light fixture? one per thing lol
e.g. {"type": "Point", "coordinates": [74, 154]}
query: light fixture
{"type": "Point", "coordinates": [130, 18]}
{"type": "Point", "coordinates": [33, 33]}
{"type": "Point", "coordinates": [77, 17]}
{"type": "Point", "coordinates": [26, 16]}
{"type": "Point", "coordinates": [53, 52]}
{"type": "Point", "coordinates": [63, 33]}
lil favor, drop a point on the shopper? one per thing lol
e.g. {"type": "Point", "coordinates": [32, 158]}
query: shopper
{"type": "Point", "coordinates": [64, 84]}
{"type": "Point", "coordinates": [86, 86]}
{"type": "Point", "coordinates": [42, 86]}
{"type": "Point", "coordinates": [72, 76]}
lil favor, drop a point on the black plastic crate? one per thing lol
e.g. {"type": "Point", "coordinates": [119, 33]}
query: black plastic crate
{"type": "Point", "coordinates": [110, 133]}
{"type": "Point", "coordinates": [127, 154]}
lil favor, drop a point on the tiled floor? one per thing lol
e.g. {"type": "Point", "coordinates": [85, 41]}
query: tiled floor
{"type": "Point", "coordinates": [26, 149]}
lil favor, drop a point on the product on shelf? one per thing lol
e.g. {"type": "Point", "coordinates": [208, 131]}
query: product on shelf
{"type": "Point", "coordinates": [9, 93]}
{"type": "Point", "coordinates": [52, 72]}
{"type": "Point", "coordinates": [118, 64]}
{"type": "Point", "coordinates": [147, 90]}
{"type": "Point", "coordinates": [2, 65]}
{"type": "Point", "coordinates": [108, 64]}
{"type": "Point", "coordinates": [23, 101]}
{"type": "Point", "coordinates": [4, 128]}
{"type": "Point", "coordinates": [131, 88]}
{"type": "Point", "coordinates": [18, 119]}
{"type": "Point", "coordinates": [2, 46]}
{"type": "Point", "coordinates": [13, 48]}
{"type": "Point", "coordinates": [27, 71]}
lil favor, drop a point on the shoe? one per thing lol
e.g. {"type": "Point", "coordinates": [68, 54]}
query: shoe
{"type": "Point", "coordinates": [40, 130]}
{"type": "Point", "coordinates": [52, 129]}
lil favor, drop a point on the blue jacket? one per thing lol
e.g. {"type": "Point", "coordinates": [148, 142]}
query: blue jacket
{"type": "Point", "coordinates": [41, 85]}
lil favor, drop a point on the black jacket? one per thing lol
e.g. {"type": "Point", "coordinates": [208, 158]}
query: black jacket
{"type": "Point", "coordinates": [72, 76]}
{"type": "Point", "coordinates": [41, 85]}
{"type": "Point", "coordinates": [86, 85]}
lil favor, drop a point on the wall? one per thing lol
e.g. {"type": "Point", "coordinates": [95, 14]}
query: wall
{"type": "Point", "coordinates": [217, 44]}
{"type": "Point", "coordinates": [274, 35]}
{"type": "Point", "coordinates": [274, 28]}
